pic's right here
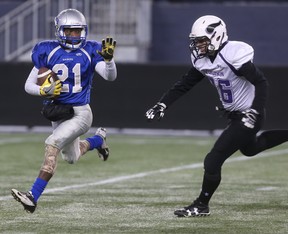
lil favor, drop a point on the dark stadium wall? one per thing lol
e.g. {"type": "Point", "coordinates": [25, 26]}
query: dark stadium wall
{"type": "Point", "coordinates": [123, 103]}
{"type": "Point", "coordinates": [261, 24]}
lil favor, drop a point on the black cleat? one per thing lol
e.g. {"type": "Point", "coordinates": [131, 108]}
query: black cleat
{"type": "Point", "coordinates": [197, 208]}
{"type": "Point", "coordinates": [26, 199]}
{"type": "Point", "coordinates": [103, 151]}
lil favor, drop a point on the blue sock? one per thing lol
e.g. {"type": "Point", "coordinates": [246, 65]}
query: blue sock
{"type": "Point", "coordinates": [38, 188]}
{"type": "Point", "coordinates": [95, 142]}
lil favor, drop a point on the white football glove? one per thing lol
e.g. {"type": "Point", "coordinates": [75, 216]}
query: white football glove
{"type": "Point", "coordinates": [250, 117]}
{"type": "Point", "coordinates": [157, 110]}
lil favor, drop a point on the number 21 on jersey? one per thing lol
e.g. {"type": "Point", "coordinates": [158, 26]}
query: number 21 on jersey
{"type": "Point", "coordinates": [63, 71]}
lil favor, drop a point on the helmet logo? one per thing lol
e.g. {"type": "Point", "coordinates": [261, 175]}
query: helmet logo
{"type": "Point", "coordinates": [210, 28]}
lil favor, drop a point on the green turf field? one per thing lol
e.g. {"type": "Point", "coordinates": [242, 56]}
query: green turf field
{"type": "Point", "coordinates": [138, 188]}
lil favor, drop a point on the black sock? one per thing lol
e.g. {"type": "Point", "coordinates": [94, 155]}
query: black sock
{"type": "Point", "coordinates": [209, 185]}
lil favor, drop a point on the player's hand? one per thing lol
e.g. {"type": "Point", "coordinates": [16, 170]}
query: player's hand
{"type": "Point", "coordinates": [250, 117]}
{"type": "Point", "coordinates": [156, 111]}
{"type": "Point", "coordinates": [108, 47]}
{"type": "Point", "coordinates": [50, 90]}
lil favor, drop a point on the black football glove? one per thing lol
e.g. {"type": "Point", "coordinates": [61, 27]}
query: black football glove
{"type": "Point", "coordinates": [250, 117]}
{"type": "Point", "coordinates": [108, 47]}
{"type": "Point", "coordinates": [156, 111]}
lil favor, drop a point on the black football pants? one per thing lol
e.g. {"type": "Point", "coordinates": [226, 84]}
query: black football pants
{"type": "Point", "coordinates": [239, 137]}
{"type": "Point", "coordinates": [235, 137]}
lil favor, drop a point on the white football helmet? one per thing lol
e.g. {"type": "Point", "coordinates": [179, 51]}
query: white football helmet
{"type": "Point", "coordinates": [71, 18]}
{"type": "Point", "coordinates": [207, 28]}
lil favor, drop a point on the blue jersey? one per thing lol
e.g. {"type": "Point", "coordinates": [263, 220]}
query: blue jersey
{"type": "Point", "coordinates": [75, 68]}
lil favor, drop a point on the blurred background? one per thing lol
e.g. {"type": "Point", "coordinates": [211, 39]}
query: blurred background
{"type": "Point", "coordinates": [152, 53]}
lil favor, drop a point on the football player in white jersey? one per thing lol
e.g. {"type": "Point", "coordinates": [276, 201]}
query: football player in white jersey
{"type": "Point", "coordinates": [75, 60]}
{"type": "Point", "coordinates": [242, 89]}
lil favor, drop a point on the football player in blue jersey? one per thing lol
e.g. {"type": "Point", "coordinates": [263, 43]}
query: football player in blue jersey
{"type": "Point", "coordinates": [75, 60]}
{"type": "Point", "coordinates": [242, 90]}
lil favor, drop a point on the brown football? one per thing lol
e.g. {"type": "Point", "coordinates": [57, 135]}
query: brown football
{"type": "Point", "coordinates": [43, 73]}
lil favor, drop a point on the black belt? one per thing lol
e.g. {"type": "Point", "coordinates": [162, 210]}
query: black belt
{"type": "Point", "coordinates": [229, 114]}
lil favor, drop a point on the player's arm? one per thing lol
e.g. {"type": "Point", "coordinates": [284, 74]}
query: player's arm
{"type": "Point", "coordinates": [47, 89]}
{"type": "Point", "coordinates": [38, 58]}
{"type": "Point", "coordinates": [182, 86]}
{"type": "Point", "coordinates": [257, 78]}
{"type": "Point", "coordinates": [107, 69]}
{"type": "Point", "coordinates": [31, 86]}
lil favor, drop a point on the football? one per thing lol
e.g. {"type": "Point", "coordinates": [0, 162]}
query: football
{"type": "Point", "coordinates": [43, 73]}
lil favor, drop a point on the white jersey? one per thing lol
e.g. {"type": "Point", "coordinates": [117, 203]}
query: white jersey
{"type": "Point", "coordinates": [235, 92]}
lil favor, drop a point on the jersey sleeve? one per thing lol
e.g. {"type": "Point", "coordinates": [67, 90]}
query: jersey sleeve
{"type": "Point", "coordinates": [39, 56]}
{"type": "Point", "coordinates": [93, 48]}
{"type": "Point", "coordinates": [257, 78]}
{"type": "Point", "coordinates": [240, 53]}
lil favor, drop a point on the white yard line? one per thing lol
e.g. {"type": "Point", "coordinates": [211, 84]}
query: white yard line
{"type": "Point", "coordinates": [149, 173]}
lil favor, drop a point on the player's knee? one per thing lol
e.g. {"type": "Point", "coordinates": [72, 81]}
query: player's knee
{"type": "Point", "coordinates": [68, 159]}
{"type": "Point", "coordinates": [248, 152]}
{"type": "Point", "coordinates": [71, 161]}
{"type": "Point", "coordinates": [52, 142]}
{"type": "Point", "coordinates": [71, 154]}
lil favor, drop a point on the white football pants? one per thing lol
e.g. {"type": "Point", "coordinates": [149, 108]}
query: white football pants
{"type": "Point", "coordinates": [66, 134]}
